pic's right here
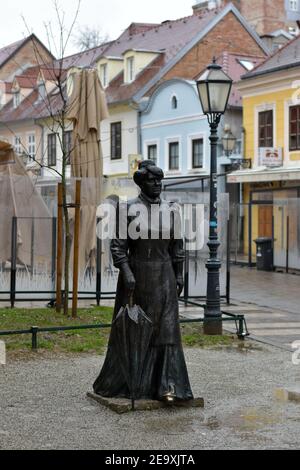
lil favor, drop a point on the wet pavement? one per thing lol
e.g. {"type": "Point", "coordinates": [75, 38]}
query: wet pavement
{"type": "Point", "coordinates": [278, 291]}
{"type": "Point", "coordinates": [270, 302]}
{"type": "Point", "coordinates": [43, 405]}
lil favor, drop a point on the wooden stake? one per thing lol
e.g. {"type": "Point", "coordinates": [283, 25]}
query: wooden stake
{"type": "Point", "coordinates": [76, 249]}
{"type": "Point", "coordinates": [59, 251]}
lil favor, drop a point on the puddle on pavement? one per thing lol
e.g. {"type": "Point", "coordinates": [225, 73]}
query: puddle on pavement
{"type": "Point", "coordinates": [212, 423]}
{"type": "Point", "coordinates": [244, 348]}
{"type": "Point", "coordinates": [253, 419]}
{"type": "Point", "coordinates": [173, 425]}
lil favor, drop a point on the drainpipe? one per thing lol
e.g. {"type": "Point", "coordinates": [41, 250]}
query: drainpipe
{"type": "Point", "coordinates": [241, 184]}
{"type": "Point", "coordinates": [42, 146]}
{"type": "Point", "coordinates": [136, 108]}
{"type": "Point", "coordinates": [139, 133]}
{"type": "Point", "coordinates": [243, 142]}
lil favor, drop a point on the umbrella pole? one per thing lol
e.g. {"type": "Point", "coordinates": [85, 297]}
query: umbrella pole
{"type": "Point", "coordinates": [76, 249]}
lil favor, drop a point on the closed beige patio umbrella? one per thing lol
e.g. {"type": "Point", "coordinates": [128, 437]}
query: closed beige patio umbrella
{"type": "Point", "coordinates": [87, 107]}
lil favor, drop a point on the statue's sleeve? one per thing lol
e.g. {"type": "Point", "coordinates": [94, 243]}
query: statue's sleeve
{"type": "Point", "coordinates": [177, 249]}
{"type": "Point", "coordinates": [119, 244]}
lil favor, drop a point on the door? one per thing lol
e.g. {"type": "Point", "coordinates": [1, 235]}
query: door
{"type": "Point", "coordinates": [265, 221]}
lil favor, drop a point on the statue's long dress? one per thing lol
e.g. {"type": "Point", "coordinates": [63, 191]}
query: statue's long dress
{"type": "Point", "coordinates": [152, 262]}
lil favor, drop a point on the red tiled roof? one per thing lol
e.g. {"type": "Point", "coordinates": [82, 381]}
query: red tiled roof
{"type": "Point", "coordinates": [26, 81]}
{"type": "Point", "coordinates": [168, 37]}
{"type": "Point", "coordinates": [136, 28]}
{"type": "Point", "coordinates": [82, 59]}
{"type": "Point", "coordinates": [7, 51]}
{"type": "Point", "coordinates": [32, 107]}
{"type": "Point", "coordinates": [231, 64]}
{"type": "Point", "coordinates": [119, 91]}
{"type": "Point", "coordinates": [8, 87]}
{"type": "Point", "coordinates": [32, 71]}
{"type": "Point", "coordinates": [29, 78]}
{"type": "Point", "coordinates": [23, 111]}
{"type": "Point", "coordinates": [286, 57]}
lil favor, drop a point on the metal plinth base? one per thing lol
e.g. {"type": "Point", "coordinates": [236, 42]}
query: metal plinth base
{"type": "Point", "coordinates": [213, 328]}
{"type": "Point", "coordinates": [123, 405]}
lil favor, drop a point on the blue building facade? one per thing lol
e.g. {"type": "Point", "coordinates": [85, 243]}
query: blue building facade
{"type": "Point", "coordinates": [292, 9]}
{"type": "Point", "coordinates": [174, 131]}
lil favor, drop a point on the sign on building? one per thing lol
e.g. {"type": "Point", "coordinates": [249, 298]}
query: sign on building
{"type": "Point", "coordinates": [270, 157]}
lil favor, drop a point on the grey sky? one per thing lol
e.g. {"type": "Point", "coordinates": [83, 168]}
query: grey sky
{"type": "Point", "coordinates": [110, 16]}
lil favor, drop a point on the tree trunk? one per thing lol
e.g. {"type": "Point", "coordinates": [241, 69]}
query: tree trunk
{"type": "Point", "coordinates": [67, 249]}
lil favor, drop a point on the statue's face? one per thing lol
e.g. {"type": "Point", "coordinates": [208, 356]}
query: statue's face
{"type": "Point", "coordinates": [152, 186]}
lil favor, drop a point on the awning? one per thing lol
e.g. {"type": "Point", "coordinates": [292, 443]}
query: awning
{"type": "Point", "coordinates": [264, 175]}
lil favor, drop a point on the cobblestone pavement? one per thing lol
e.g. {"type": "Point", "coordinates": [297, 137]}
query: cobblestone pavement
{"type": "Point", "coordinates": [43, 405]}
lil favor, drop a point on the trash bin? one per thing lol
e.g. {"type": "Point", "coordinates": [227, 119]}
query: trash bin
{"type": "Point", "coordinates": [264, 254]}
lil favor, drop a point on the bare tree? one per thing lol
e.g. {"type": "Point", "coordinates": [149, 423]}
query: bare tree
{"type": "Point", "coordinates": [88, 38]}
{"type": "Point", "coordinates": [54, 107]}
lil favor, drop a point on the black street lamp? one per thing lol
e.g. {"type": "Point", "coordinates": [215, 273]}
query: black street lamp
{"type": "Point", "coordinates": [214, 88]}
{"type": "Point", "coordinates": [228, 141]}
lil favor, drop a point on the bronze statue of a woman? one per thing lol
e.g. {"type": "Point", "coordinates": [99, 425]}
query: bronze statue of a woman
{"type": "Point", "coordinates": [151, 267]}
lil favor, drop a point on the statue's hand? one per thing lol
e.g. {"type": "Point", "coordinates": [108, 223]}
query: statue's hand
{"type": "Point", "coordinates": [128, 278]}
{"type": "Point", "coordinates": [180, 284]}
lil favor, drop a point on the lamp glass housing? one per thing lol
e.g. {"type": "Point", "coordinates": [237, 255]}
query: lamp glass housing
{"type": "Point", "coordinates": [214, 88]}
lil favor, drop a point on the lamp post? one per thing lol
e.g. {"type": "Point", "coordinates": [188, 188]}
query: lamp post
{"type": "Point", "coordinates": [214, 88]}
{"type": "Point", "coordinates": [228, 141]}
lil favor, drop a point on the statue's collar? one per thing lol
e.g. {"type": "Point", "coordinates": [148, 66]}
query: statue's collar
{"type": "Point", "coordinates": [149, 200]}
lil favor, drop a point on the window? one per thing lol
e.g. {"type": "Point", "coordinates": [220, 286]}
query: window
{"type": "Point", "coordinates": [116, 140]}
{"type": "Point", "coordinates": [103, 75]}
{"type": "Point", "coordinates": [295, 128]}
{"type": "Point", "coordinates": [130, 69]}
{"type": "Point", "coordinates": [67, 143]}
{"type": "Point", "coordinates": [247, 64]}
{"type": "Point", "coordinates": [51, 149]}
{"type": "Point", "coordinates": [152, 153]}
{"type": "Point", "coordinates": [265, 129]}
{"type": "Point", "coordinates": [293, 5]}
{"type": "Point", "coordinates": [174, 102]}
{"type": "Point", "coordinates": [18, 144]}
{"type": "Point", "coordinates": [173, 156]}
{"type": "Point", "coordinates": [41, 91]}
{"type": "Point", "coordinates": [31, 146]}
{"type": "Point", "coordinates": [197, 153]}
{"type": "Point", "coordinates": [16, 98]}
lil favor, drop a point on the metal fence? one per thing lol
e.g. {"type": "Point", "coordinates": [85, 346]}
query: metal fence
{"type": "Point", "coordinates": [28, 272]}
{"type": "Point", "coordinates": [278, 219]}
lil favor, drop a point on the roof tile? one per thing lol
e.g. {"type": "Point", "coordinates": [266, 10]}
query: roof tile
{"type": "Point", "coordinates": [287, 56]}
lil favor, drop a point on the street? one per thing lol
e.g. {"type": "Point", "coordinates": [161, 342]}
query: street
{"type": "Point", "coordinates": [270, 302]}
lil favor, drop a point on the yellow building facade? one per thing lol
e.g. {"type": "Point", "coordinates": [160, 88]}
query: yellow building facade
{"type": "Point", "coordinates": [271, 188]}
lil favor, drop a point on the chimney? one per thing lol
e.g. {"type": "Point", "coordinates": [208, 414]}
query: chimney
{"type": "Point", "coordinates": [202, 5]}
